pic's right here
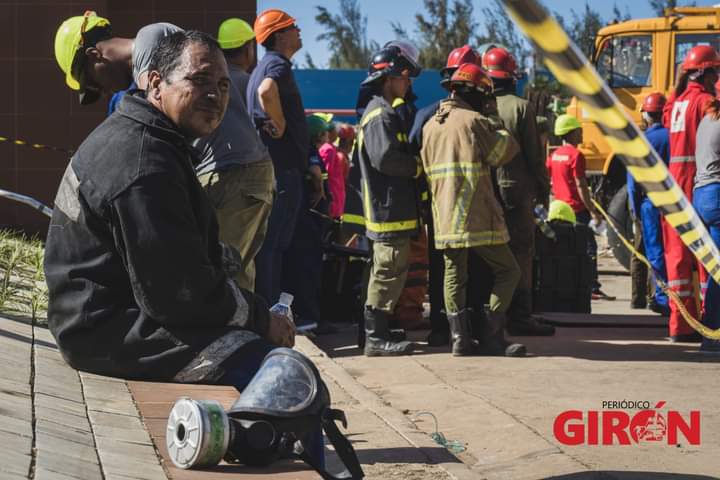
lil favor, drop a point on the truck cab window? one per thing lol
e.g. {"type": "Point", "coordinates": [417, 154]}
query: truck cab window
{"type": "Point", "coordinates": [683, 44]}
{"type": "Point", "coordinates": [626, 62]}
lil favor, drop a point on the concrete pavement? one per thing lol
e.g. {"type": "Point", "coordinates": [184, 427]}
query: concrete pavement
{"type": "Point", "coordinates": [60, 424]}
{"type": "Point", "coordinates": [503, 409]}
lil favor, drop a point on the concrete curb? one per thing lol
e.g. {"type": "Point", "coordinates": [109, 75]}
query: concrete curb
{"type": "Point", "coordinates": [398, 422]}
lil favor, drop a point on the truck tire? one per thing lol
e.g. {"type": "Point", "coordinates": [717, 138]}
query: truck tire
{"type": "Point", "coordinates": [619, 212]}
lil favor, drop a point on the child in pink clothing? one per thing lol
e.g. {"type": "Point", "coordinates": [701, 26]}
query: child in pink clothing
{"type": "Point", "coordinates": [335, 167]}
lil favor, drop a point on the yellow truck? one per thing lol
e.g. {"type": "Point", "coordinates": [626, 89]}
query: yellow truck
{"type": "Point", "coordinates": [636, 58]}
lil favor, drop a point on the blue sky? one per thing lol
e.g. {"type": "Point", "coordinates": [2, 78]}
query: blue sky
{"type": "Point", "coordinates": [381, 12]}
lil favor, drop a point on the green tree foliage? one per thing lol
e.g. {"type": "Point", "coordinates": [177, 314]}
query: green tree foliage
{"type": "Point", "coordinates": [659, 6]}
{"type": "Point", "coordinates": [584, 27]}
{"type": "Point", "coordinates": [619, 16]}
{"type": "Point", "coordinates": [445, 25]}
{"type": "Point", "coordinates": [346, 34]}
{"type": "Point", "coordinates": [500, 29]}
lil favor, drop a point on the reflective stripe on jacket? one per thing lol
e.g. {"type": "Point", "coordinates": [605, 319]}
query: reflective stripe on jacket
{"type": "Point", "coordinates": [388, 170]}
{"type": "Point", "coordinates": [460, 146]}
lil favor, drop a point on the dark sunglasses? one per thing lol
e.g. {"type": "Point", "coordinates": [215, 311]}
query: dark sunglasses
{"type": "Point", "coordinates": [287, 29]}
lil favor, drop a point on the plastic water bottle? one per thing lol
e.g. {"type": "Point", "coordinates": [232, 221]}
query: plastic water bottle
{"type": "Point", "coordinates": [540, 218]}
{"type": "Point", "coordinates": [282, 307]}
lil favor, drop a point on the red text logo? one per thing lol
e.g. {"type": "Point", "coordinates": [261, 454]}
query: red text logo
{"type": "Point", "coordinates": [618, 427]}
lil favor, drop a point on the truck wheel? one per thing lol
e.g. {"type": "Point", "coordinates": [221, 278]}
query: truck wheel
{"type": "Point", "coordinates": [619, 212]}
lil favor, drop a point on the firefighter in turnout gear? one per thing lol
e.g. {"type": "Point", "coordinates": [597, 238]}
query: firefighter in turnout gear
{"type": "Point", "coordinates": [462, 142]}
{"type": "Point", "coordinates": [389, 169]}
{"type": "Point", "coordinates": [523, 182]}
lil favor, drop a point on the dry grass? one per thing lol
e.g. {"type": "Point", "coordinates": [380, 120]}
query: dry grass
{"type": "Point", "coordinates": [22, 281]}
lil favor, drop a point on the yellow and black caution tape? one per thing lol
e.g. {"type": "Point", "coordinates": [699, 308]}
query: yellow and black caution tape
{"type": "Point", "coordinates": [573, 70]}
{"type": "Point", "coordinates": [692, 321]}
{"type": "Point", "coordinates": [38, 146]}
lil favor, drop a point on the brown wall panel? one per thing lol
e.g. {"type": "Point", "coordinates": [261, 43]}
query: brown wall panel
{"type": "Point", "coordinates": [41, 88]}
{"type": "Point", "coordinates": [7, 149]}
{"type": "Point", "coordinates": [7, 87]}
{"type": "Point", "coordinates": [8, 29]}
{"type": "Point", "coordinates": [33, 42]}
{"type": "Point", "coordinates": [127, 23]}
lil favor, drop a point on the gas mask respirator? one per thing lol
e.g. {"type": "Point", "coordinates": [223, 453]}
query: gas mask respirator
{"type": "Point", "coordinates": [284, 408]}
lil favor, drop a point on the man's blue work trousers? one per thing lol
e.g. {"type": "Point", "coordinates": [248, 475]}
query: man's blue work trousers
{"type": "Point", "coordinates": [280, 231]}
{"type": "Point", "coordinates": [653, 242]}
{"type": "Point", "coordinates": [706, 201]}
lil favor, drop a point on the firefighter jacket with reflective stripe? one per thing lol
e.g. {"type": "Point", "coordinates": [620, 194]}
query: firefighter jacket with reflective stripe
{"type": "Point", "coordinates": [460, 147]}
{"type": "Point", "coordinates": [388, 169]}
{"type": "Point", "coordinates": [525, 177]}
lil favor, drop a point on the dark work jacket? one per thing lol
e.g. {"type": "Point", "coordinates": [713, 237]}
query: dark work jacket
{"type": "Point", "coordinates": [132, 259]}
{"type": "Point", "coordinates": [353, 219]}
{"type": "Point", "coordinates": [389, 169]}
{"type": "Point", "coordinates": [525, 178]}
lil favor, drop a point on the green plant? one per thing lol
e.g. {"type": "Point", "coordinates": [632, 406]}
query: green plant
{"type": "Point", "coordinates": [22, 280]}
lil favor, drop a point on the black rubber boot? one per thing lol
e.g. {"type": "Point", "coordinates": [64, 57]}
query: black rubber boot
{"type": "Point", "coordinates": [396, 335]}
{"type": "Point", "coordinates": [463, 343]}
{"type": "Point", "coordinates": [494, 342]}
{"type": "Point", "coordinates": [378, 342]}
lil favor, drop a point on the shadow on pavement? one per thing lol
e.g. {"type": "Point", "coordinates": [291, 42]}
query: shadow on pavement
{"type": "Point", "coordinates": [613, 475]}
{"type": "Point", "coordinates": [25, 339]}
{"type": "Point", "coordinates": [398, 455]}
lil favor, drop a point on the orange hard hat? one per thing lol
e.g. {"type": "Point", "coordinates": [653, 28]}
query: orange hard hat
{"type": "Point", "coordinates": [701, 57]}
{"type": "Point", "coordinates": [499, 63]}
{"type": "Point", "coordinates": [470, 75]}
{"type": "Point", "coordinates": [653, 103]}
{"type": "Point", "coordinates": [269, 22]}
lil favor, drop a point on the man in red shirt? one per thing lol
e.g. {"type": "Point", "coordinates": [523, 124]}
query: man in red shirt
{"type": "Point", "coordinates": [566, 167]}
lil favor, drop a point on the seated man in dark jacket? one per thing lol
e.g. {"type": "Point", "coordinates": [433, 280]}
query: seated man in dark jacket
{"type": "Point", "coordinates": [136, 275]}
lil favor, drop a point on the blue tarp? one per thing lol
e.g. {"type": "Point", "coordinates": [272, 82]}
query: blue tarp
{"type": "Point", "coordinates": [338, 89]}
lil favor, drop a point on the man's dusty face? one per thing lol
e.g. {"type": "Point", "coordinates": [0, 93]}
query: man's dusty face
{"type": "Point", "coordinates": [196, 93]}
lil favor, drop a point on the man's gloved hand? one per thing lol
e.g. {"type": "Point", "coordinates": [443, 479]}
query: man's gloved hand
{"type": "Point", "coordinates": [281, 331]}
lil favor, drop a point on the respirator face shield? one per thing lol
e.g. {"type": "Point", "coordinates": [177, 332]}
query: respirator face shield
{"type": "Point", "coordinates": [286, 385]}
{"type": "Point", "coordinates": [281, 412]}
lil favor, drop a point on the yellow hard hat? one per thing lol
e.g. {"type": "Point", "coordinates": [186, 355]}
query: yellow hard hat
{"type": "Point", "coordinates": [560, 210]}
{"type": "Point", "coordinates": [327, 118]}
{"type": "Point", "coordinates": [69, 40]}
{"type": "Point", "coordinates": [566, 123]}
{"type": "Point", "coordinates": [234, 33]}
